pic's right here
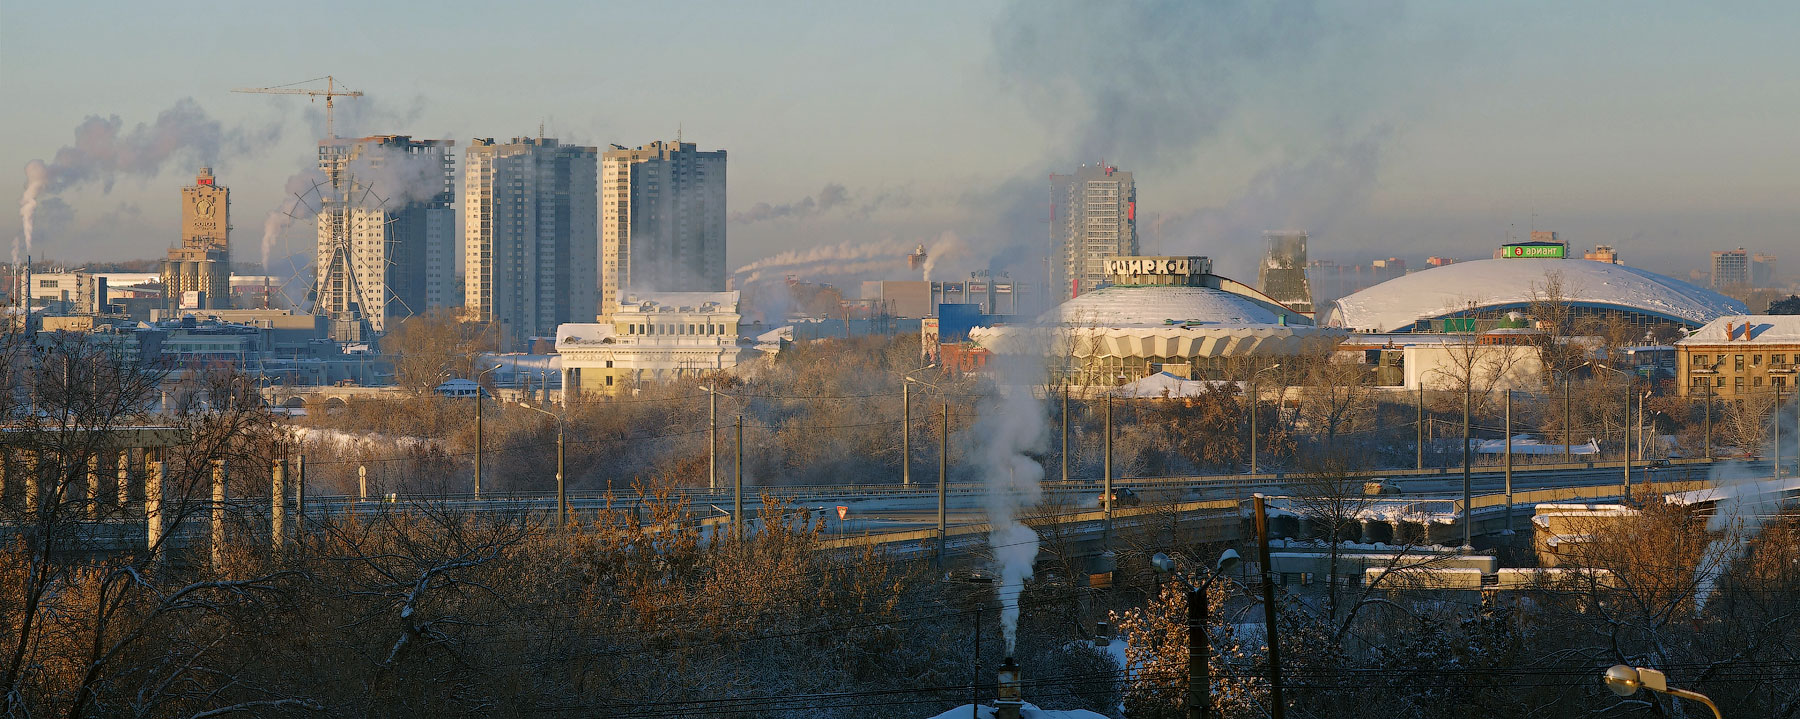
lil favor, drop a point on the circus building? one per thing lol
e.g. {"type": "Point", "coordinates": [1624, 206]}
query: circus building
{"type": "Point", "coordinates": [1161, 314]}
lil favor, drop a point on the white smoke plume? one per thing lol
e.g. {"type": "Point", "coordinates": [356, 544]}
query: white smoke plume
{"type": "Point", "coordinates": [301, 201]}
{"type": "Point", "coordinates": [832, 196]}
{"type": "Point", "coordinates": [1746, 497]}
{"type": "Point", "coordinates": [947, 246]}
{"type": "Point", "coordinates": [104, 151]}
{"type": "Point", "coordinates": [1013, 424]}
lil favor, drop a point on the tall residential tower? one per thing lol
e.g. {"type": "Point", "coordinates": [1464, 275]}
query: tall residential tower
{"type": "Point", "coordinates": [387, 242]}
{"type": "Point", "coordinates": [1093, 217]}
{"type": "Point", "coordinates": [529, 248]}
{"type": "Point", "coordinates": [662, 220]}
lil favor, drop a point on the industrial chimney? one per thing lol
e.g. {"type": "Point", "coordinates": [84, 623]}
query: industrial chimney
{"type": "Point", "coordinates": [1008, 701]}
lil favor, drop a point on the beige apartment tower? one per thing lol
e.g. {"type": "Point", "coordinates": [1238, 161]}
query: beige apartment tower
{"type": "Point", "coordinates": [530, 245]}
{"type": "Point", "coordinates": [662, 220]}
{"type": "Point", "coordinates": [197, 275]}
{"type": "Point", "coordinates": [387, 243]}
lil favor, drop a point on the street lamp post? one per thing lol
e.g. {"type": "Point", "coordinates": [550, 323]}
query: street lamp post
{"type": "Point", "coordinates": [1623, 429]}
{"type": "Point", "coordinates": [1255, 397]}
{"type": "Point", "coordinates": [943, 493]}
{"type": "Point", "coordinates": [1199, 689]}
{"type": "Point", "coordinates": [1626, 681]}
{"type": "Point", "coordinates": [479, 400]}
{"type": "Point", "coordinates": [562, 497]}
{"type": "Point", "coordinates": [906, 425]}
{"type": "Point", "coordinates": [712, 437]}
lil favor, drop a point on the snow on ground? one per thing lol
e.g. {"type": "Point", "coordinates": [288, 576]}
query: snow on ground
{"type": "Point", "coordinates": [348, 440]}
{"type": "Point", "coordinates": [1029, 712]}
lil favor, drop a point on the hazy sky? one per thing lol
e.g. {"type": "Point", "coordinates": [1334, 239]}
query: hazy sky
{"type": "Point", "coordinates": [1665, 129]}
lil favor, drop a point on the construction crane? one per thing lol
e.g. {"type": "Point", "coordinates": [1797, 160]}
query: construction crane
{"type": "Point", "coordinates": [329, 93]}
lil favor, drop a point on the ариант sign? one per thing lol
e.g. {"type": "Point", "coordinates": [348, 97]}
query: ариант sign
{"type": "Point", "coordinates": [1546, 250]}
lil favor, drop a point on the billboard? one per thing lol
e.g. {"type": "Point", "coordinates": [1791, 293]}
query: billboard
{"type": "Point", "coordinates": [1532, 251]}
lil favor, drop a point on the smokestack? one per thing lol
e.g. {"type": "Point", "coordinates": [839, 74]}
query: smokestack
{"type": "Point", "coordinates": [1008, 701]}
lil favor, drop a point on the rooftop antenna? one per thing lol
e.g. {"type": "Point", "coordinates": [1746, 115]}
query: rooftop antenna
{"type": "Point", "coordinates": [540, 131]}
{"type": "Point", "coordinates": [677, 134]}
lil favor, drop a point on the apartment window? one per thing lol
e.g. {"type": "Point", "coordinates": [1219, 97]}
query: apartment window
{"type": "Point", "coordinates": [1738, 362]}
{"type": "Point", "coordinates": [1778, 381]}
{"type": "Point", "coordinates": [1755, 360]}
{"type": "Point", "coordinates": [1719, 382]}
{"type": "Point", "coordinates": [1757, 382]}
{"type": "Point", "coordinates": [1777, 359]}
{"type": "Point", "coordinates": [1739, 384]}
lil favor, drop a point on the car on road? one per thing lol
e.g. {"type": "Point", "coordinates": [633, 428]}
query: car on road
{"type": "Point", "coordinates": [1122, 497]}
{"type": "Point", "coordinates": [1375, 487]}
{"type": "Point", "coordinates": [1659, 463]}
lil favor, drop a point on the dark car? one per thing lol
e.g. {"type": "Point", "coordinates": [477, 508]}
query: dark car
{"type": "Point", "coordinates": [1658, 463]}
{"type": "Point", "coordinates": [1122, 497]}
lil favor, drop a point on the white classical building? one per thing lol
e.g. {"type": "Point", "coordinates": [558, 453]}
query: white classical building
{"type": "Point", "coordinates": [652, 337]}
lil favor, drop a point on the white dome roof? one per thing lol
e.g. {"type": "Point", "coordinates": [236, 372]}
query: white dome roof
{"type": "Point", "coordinates": [1396, 304]}
{"type": "Point", "coordinates": [1159, 306]}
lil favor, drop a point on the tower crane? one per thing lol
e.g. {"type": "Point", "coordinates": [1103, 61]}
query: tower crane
{"type": "Point", "coordinates": [329, 93]}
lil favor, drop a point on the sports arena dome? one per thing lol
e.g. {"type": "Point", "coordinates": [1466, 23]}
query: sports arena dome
{"type": "Point", "coordinates": [1503, 285]}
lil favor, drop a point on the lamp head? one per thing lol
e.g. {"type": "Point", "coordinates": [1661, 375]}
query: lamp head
{"type": "Point", "coordinates": [1228, 560]}
{"type": "Point", "coordinates": [1622, 680]}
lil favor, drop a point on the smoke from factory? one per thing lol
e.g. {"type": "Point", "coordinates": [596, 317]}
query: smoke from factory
{"type": "Point", "coordinates": [105, 150]}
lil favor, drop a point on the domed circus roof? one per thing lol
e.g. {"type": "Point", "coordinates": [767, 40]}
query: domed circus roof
{"type": "Point", "coordinates": [1160, 306]}
{"type": "Point", "coordinates": [1395, 305]}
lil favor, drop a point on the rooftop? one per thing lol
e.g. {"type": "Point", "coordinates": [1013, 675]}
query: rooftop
{"type": "Point", "coordinates": [1765, 329]}
{"type": "Point", "coordinates": [1398, 303]}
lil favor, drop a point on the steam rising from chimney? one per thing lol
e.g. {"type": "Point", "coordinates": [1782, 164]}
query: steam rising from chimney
{"type": "Point", "coordinates": [104, 151]}
{"type": "Point", "coordinates": [1013, 422]}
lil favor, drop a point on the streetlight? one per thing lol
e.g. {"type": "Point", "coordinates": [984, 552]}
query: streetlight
{"type": "Point", "coordinates": [478, 402]}
{"type": "Point", "coordinates": [1253, 402]}
{"type": "Point", "coordinates": [943, 465]}
{"type": "Point", "coordinates": [1199, 690]}
{"type": "Point", "coordinates": [562, 497]}
{"type": "Point", "coordinates": [1623, 430]}
{"type": "Point", "coordinates": [712, 437]}
{"type": "Point", "coordinates": [906, 424]}
{"type": "Point", "coordinates": [1626, 681]}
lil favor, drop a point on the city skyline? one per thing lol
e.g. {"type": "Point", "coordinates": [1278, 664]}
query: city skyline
{"type": "Point", "coordinates": [1651, 132]}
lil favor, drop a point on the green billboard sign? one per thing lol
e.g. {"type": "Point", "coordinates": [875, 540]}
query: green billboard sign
{"type": "Point", "coordinates": [1554, 252]}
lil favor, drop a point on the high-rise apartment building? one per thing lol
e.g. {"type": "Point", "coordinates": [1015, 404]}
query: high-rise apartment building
{"type": "Point", "coordinates": [1762, 270]}
{"type": "Point", "coordinates": [1731, 268]}
{"type": "Point", "coordinates": [1283, 273]}
{"type": "Point", "coordinates": [1093, 217]}
{"type": "Point", "coordinates": [387, 234]}
{"type": "Point", "coordinates": [530, 241]}
{"type": "Point", "coordinates": [197, 275]}
{"type": "Point", "coordinates": [662, 220]}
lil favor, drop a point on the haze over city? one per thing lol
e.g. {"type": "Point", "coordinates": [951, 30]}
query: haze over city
{"type": "Point", "coordinates": [1405, 129]}
{"type": "Point", "coordinates": [1007, 359]}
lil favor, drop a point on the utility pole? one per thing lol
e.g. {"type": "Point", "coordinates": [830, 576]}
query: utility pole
{"type": "Point", "coordinates": [1625, 430]}
{"type": "Point", "coordinates": [1709, 404]}
{"type": "Point", "coordinates": [737, 485]}
{"type": "Point", "coordinates": [906, 434]}
{"type": "Point", "coordinates": [478, 403]}
{"type": "Point", "coordinates": [943, 475]}
{"type": "Point", "coordinates": [712, 439]}
{"type": "Point", "coordinates": [1567, 436]}
{"type": "Point", "coordinates": [1420, 426]}
{"type": "Point", "coordinates": [1106, 491]}
{"type": "Point", "coordinates": [1065, 435]}
{"type": "Point", "coordinates": [1253, 427]}
{"type": "Point", "coordinates": [1277, 708]}
{"type": "Point", "coordinates": [562, 495]}
{"type": "Point", "coordinates": [1509, 464]}
{"type": "Point", "coordinates": [1468, 484]}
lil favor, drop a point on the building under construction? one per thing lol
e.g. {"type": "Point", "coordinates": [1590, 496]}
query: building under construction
{"type": "Point", "coordinates": [1283, 273]}
{"type": "Point", "coordinates": [386, 230]}
{"type": "Point", "coordinates": [197, 275]}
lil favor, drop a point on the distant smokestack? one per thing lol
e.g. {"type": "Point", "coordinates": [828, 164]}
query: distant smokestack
{"type": "Point", "coordinates": [1008, 700]}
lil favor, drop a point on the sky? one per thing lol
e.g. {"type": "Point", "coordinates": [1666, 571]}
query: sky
{"type": "Point", "coordinates": [1383, 128]}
